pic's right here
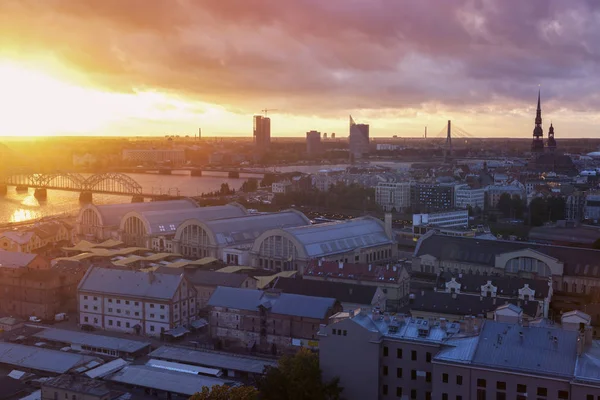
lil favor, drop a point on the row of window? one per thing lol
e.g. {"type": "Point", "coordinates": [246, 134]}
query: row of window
{"type": "Point", "coordinates": [413, 374]}
{"type": "Point", "coordinates": [413, 354]}
{"type": "Point", "coordinates": [127, 302]}
{"type": "Point", "coordinates": [399, 392]}
{"type": "Point", "coordinates": [521, 390]}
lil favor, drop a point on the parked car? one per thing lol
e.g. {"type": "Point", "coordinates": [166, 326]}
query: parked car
{"type": "Point", "coordinates": [34, 319]}
{"type": "Point", "coordinates": [61, 317]}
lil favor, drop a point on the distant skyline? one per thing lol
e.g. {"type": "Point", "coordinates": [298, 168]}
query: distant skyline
{"type": "Point", "coordinates": [140, 68]}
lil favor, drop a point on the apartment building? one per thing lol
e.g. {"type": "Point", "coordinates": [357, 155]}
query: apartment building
{"type": "Point", "coordinates": [506, 358]}
{"type": "Point", "coordinates": [432, 197]}
{"type": "Point", "coordinates": [268, 321]}
{"type": "Point", "coordinates": [393, 196]}
{"type": "Point", "coordinates": [145, 303]}
{"type": "Point", "coordinates": [465, 196]}
{"type": "Point", "coordinates": [36, 238]}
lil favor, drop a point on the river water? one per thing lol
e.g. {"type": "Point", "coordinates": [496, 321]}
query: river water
{"type": "Point", "coordinates": [21, 207]}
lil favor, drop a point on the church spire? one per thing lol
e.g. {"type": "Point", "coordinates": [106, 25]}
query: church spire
{"type": "Point", "coordinates": [537, 145]}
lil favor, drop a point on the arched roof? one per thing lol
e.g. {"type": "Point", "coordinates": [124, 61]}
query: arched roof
{"type": "Point", "coordinates": [166, 222]}
{"type": "Point", "coordinates": [332, 238]}
{"type": "Point", "coordinates": [245, 229]}
{"type": "Point", "coordinates": [112, 214]}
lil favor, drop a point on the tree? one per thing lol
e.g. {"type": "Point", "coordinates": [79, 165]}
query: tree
{"type": "Point", "coordinates": [538, 211]}
{"type": "Point", "coordinates": [249, 186]}
{"type": "Point", "coordinates": [596, 244]}
{"type": "Point", "coordinates": [505, 204]}
{"type": "Point", "coordinates": [223, 392]}
{"type": "Point", "coordinates": [298, 377]}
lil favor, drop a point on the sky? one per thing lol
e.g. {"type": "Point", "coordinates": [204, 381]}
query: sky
{"type": "Point", "coordinates": [141, 67]}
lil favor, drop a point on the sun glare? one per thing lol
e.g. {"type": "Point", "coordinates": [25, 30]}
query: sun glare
{"type": "Point", "coordinates": [33, 103]}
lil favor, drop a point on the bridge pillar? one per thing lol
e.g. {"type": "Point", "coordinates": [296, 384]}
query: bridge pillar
{"type": "Point", "coordinates": [85, 197]}
{"type": "Point", "coordinates": [137, 199]}
{"type": "Point", "coordinates": [196, 172]}
{"type": "Point", "coordinates": [164, 172]}
{"type": "Point", "coordinates": [234, 174]}
{"type": "Point", "coordinates": [3, 189]}
{"type": "Point", "coordinates": [22, 188]}
{"type": "Point", "coordinates": [40, 194]}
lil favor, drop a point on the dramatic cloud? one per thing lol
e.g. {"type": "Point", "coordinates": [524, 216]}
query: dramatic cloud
{"type": "Point", "coordinates": [326, 58]}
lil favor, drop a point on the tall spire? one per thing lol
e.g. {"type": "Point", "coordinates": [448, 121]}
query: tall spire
{"type": "Point", "coordinates": [537, 145]}
{"type": "Point", "coordinates": [538, 114]}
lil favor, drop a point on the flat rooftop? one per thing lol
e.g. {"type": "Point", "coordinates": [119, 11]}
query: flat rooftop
{"type": "Point", "coordinates": [211, 359]}
{"type": "Point", "coordinates": [92, 340]}
{"type": "Point", "coordinates": [40, 359]}
{"type": "Point", "coordinates": [165, 380]}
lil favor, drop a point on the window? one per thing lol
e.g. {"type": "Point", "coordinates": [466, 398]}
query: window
{"type": "Point", "coordinates": [399, 353]}
{"type": "Point", "coordinates": [589, 397]}
{"type": "Point", "coordinates": [445, 378]}
{"type": "Point", "coordinates": [428, 357]}
{"type": "Point", "coordinates": [127, 325]}
{"type": "Point", "coordinates": [500, 395]}
{"type": "Point", "coordinates": [501, 385]}
{"type": "Point", "coordinates": [151, 315]}
{"type": "Point", "coordinates": [385, 351]}
{"type": "Point", "coordinates": [151, 328]}
{"type": "Point", "coordinates": [399, 391]}
{"type": "Point", "coordinates": [95, 320]}
{"type": "Point", "coordinates": [110, 300]}
{"type": "Point", "coordinates": [162, 307]}
{"type": "Point", "coordinates": [119, 324]}
{"type": "Point", "coordinates": [428, 377]}
{"type": "Point", "coordinates": [85, 297]}
{"type": "Point", "coordinates": [413, 355]}
{"type": "Point", "coordinates": [118, 311]}
{"type": "Point", "coordinates": [162, 317]}
{"type": "Point", "coordinates": [413, 393]}
{"type": "Point", "coordinates": [413, 374]}
{"type": "Point", "coordinates": [110, 322]}
{"type": "Point", "coordinates": [85, 307]}
{"type": "Point", "coordinates": [563, 394]}
{"type": "Point", "coordinates": [458, 397]}
{"type": "Point", "coordinates": [85, 319]}
{"type": "Point", "coordinates": [481, 394]}
{"type": "Point", "coordinates": [345, 332]}
{"type": "Point", "coordinates": [398, 372]}
{"type": "Point", "coordinates": [136, 303]}
{"type": "Point", "coordinates": [444, 396]}
{"type": "Point", "coordinates": [95, 298]}
{"type": "Point", "coordinates": [481, 383]}
{"type": "Point", "coordinates": [127, 302]}
{"type": "Point", "coordinates": [95, 308]}
{"type": "Point", "coordinates": [385, 370]}
{"type": "Point", "coordinates": [137, 314]}
{"type": "Point", "coordinates": [385, 389]}
{"type": "Point", "coordinates": [334, 331]}
{"type": "Point", "coordinates": [151, 305]}
{"type": "Point", "coordinates": [110, 310]}
{"type": "Point", "coordinates": [459, 379]}
{"type": "Point", "coordinates": [118, 301]}
{"type": "Point", "coordinates": [521, 388]}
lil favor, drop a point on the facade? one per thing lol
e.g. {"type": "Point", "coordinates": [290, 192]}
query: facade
{"type": "Point", "coordinates": [76, 387]}
{"type": "Point", "coordinates": [230, 239]}
{"type": "Point", "coordinates": [358, 140]}
{"type": "Point", "coordinates": [102, 222]}
{"type": "Point", "coordinates": [393, 196]}
{"type": "Point", "coordinates": [402, 357]}
{"type": "Point", "coordinates": [363, 240]}
{"type": "Point", "coordinates": [575, 206]}
{"type": "Point", "coordinates": [496, 191]}
{"type": "Point", "coordinates": [432, 197]}
{"type": "Point", "coordinates": [36, 238]}
{"type": "Point", "coordinates": [449, 219]}
{"type": "Point", "coordinates": [466, 196]}
{"type": "Point", "coordinates": [282, 187]}
{"type": "Point", "coordinates": [154, 156]}
{"type": "Point", "coordinates": [135, 302]}
{"type": "Point", "coordinates": [313, 143]}
{"type": "Point", "coordinates": [262, 131]}
{"type": "Point", "coordinates": [268, 321]}
{"type": "Point", "coordinates": [325, 179]}
{"type": "Point", "coordinates": [156, 229]}
{"type": "Point", "coordinates": [592, 206]}
{"type": "Point", "coordinates": [30, 287]}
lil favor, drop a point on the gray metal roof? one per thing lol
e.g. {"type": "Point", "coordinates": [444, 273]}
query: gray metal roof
{"type": "Point", "coordinates": [587, 368]}
{"type": "Point", "coordinates": [213, 359]}
{"type": "Point", "coordinates": [340, 237]}
{"type": "Point", "coordinates": [282, 303]}
{"type": "Point", "coordinates": [106, 369]}
{"type": "Point", "coordinates": [246, 229]}
{"type": "Point", "coordinates": [162, 379]}
{"type": "Point", "coordinates": [200, 277]}
{"type": "Point", "coordinates": [166, 222]}
{"type": "Point", "coordinates": [40, 359]}
{"type": "Point", "coordinates": [127, 283]}
{"type": "Point", "coordinates": [406, 330]}
{"type": "Point", "coordinates": [15, 259]}
{"type": "Point", "coordinates": [93, 340]}
{"type": "Point", "coordinates": [459, 350]}
{"type": "Point", "coordinates": [502, 346]}
{"type": "Point", "coordinates": [112, 213]}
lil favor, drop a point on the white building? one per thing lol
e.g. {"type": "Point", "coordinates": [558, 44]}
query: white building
{"type": "Point", "coordinates": [592, 206]}
{"type": "Point", "coordinates": [154, 156]}
{"type": "Point", "coordinates": [448, 219]}
{"type": "Point", "coordinates": [496, 191]}
{"type": "Point", "coordinates": [359, 240]}
{"type": "Point", "coordinates": [134, 301]}
{"type": "Point", "coordinates": [324, 179]}
{"type": "Point", "coordinates": [465, 196]}
{"type": "Point", "coordinates": [281, 187]}
{"type": "Point", "coordinates": [393, 195]}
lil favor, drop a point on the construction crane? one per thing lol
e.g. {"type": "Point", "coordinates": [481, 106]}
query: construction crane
{"type": "Point", "coordinates": [266, 110]}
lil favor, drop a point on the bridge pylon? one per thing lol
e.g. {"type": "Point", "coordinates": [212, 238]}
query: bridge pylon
{"type": "Point", "coordinates": [40, 194]}
{"type": "Point", "coordinates": [85, 197]}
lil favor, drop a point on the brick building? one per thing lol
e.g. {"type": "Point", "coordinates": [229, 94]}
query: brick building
{"type": "Point", "coordinates": [268, 321]}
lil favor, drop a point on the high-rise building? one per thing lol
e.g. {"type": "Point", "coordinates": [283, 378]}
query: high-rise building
{"type": "Point", "coordinates": [393, 196]}
{"type": "Point", "coordinates": [262, 131]}
{"type": "Point", "coordinates": [313, 142]}
{"type": "Point", "coordinates": [358, 140]}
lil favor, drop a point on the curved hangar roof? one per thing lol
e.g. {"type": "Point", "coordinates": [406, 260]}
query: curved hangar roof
{"type": "Point", "coordinates": [111, 214]}
{"type": "Point", "coordinates": [237, 230]}
{"type": "Point", "coordinates": [166, 222]}
{"type": "Point", "coordinates": [333, 238]}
